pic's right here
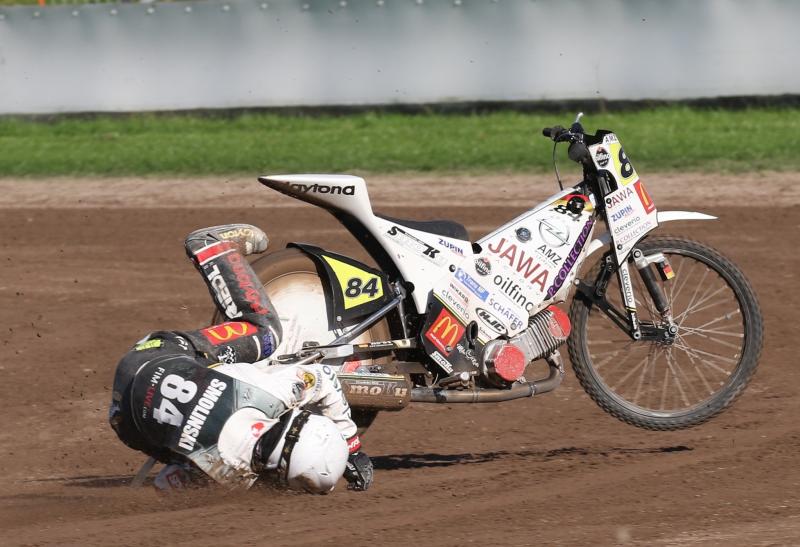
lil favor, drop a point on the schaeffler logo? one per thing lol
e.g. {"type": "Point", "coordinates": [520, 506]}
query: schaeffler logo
{"type": "Point", "coordinates": [323, 189]}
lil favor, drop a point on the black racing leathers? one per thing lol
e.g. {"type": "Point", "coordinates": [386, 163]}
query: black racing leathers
{"type": "Point", "coordinates": [252, 330]}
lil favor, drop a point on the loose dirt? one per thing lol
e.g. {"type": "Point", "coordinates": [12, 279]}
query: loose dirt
{"type": "Point", "coordinates": [89, 266]}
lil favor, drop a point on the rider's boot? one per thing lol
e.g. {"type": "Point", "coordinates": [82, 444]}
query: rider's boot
{"type": "Point", "coordinates": [248, 239]}
{"type": "Point", "coordinates": [217, 252]}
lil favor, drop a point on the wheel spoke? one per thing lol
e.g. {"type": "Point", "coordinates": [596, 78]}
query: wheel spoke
{"type": "Point", "coordinates": [713, 339]}
{"type": "Point", "coordinates": [696, 354]}
{"type": "Point", "coordinates": [675, 375]}
{"type": "Point", "coordinates": [726, 316]}
{"type": "Point", "coordinates": [650, 365]}
{"type": "Point", "coordinates": [685, 279]}
{"type": "Point", "coordinates": [631, 371]}
{"type": "Point", "coordinates": [677, 370]}
{"type": "Point", "coordinates": [694, 307]}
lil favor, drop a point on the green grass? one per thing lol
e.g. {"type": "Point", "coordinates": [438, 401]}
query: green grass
{"type": "Point", "coordinates": [661, 139]}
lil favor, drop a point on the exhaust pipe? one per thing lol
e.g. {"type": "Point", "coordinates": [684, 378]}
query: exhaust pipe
{"type": "Point", "coordinates": [480, 395]}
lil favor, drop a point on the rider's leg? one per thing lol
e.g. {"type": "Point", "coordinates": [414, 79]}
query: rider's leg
{"type": "Point", "coordinates": [218, 253]}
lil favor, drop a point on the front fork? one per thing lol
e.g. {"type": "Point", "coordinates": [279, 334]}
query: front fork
{"type": "Point", "coordinates": [629, 321]}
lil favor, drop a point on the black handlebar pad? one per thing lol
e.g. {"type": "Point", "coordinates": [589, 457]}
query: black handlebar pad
{"type": "Point", "coordinates": [553, 132]}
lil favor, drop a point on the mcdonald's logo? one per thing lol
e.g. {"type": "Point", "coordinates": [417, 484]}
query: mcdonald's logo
{"type": "Point", "coordinates": [644, 197]}
{"type": "Point", "coordinates": [225, 332]}
{"type": "Point", "coordinates": [445, 332]}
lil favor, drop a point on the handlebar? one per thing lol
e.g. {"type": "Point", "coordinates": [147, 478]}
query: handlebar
{"type": "Point", "coordinates": [578, 151]}
{"type": "Point", "coordinates": [559, 134]}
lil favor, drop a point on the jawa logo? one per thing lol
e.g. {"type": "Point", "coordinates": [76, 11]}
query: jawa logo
{"type": "Point", "coordinates": [445, 332]}
{"type": "Point", "coordinates": [226, 332]}
{"type": "Point", "coordinates": [323, 189]}
{"type": "Point", "coordinates": [618, 197]}
{"type": "Point", "coordinates": [491, 321]}
{"type": "Point", "coordinates": [522, 263]}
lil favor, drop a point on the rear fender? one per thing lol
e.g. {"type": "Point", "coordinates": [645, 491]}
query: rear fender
{"type": "Point", "coordinates": [604, 240]}
{"type": "Point", "coordinates": [352, 290]}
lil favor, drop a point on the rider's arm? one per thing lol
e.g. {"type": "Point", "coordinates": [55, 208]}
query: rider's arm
{"type": "Point", "coordinates": [318, 386]}
{"type": "Point", "coordinates": [323, 389]}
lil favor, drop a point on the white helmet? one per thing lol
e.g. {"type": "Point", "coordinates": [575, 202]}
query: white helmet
{"type": "Point", "coordinates": [311, 455]}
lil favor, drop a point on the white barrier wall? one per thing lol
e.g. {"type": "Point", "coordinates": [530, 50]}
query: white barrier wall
{"type": "Point", "coordinates": [257, 53]}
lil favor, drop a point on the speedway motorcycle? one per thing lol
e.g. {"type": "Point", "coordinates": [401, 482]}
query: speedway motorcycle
{"type": "Point", "coordinates": [662, 332]}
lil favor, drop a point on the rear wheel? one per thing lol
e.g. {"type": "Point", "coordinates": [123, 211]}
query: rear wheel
{"type": "Point", "coordinates": [295, 289]}
{"type": "Point", "coordinates": [662, 386]}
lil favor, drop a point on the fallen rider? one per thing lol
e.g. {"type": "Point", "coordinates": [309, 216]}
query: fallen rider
{"type": "Point", "coordinates": [193, 401]}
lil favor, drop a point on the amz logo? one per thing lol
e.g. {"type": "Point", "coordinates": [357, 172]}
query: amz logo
{"type": "Point", "coordinates": [491, 321]}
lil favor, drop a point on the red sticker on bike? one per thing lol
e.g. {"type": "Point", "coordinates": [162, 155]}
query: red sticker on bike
{"type": "Point", "coordinates": [445, 332]}
{"type": "Point", "coordinates": [644, 197]}
{"type": "Point", "coordinates": [225, 332]}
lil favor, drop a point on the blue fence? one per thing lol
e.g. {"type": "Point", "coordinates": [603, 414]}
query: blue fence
{"type": "Point", "coordinates": [271, 53]}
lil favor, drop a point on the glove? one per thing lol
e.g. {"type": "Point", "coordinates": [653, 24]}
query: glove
{"type": "Point", "coordinates": [172, 477]}
{"type": "Point", "coordinates": [358, 472]}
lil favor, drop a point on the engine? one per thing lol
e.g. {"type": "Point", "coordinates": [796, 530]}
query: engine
{"type": "Point", "coordinates": [503, 361]}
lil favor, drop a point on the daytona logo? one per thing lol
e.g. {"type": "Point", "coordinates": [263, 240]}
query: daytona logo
{"type": "Point", "coordinates": [323, 189]}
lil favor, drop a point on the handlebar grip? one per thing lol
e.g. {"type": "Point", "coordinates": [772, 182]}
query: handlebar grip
{"type": "Point", "coordinates": [553, 132]}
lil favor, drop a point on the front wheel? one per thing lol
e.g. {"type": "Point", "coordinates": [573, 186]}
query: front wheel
{"type": "Point", "coordinates": [659, 385]}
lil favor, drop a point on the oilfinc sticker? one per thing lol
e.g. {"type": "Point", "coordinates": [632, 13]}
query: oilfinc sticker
{"type": "Point", "coordinates": [358, 286]}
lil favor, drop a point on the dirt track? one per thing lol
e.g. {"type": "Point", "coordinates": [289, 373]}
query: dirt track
{"type": "Point", "coordinates": [85, 273]}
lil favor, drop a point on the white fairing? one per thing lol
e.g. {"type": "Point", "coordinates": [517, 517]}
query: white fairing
{"type": "Point", "coordinates": [421, 257]}
{"type": "Point", "coordinates": [604, 239]}
{"type": "Point", "coordinates": [342, 192]}
{"type": "Point", "coordinates": [512, 278]}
